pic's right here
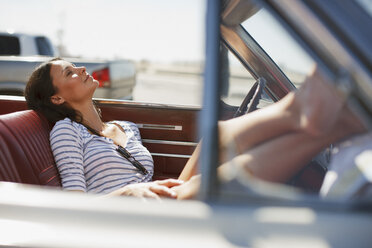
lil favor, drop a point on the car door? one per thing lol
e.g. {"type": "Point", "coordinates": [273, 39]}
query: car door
{"type": "Point", "coordinates": [169, 132]}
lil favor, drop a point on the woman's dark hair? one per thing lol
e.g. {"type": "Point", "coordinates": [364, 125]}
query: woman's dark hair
{"type": "Point", "coordinates": [38, 93]}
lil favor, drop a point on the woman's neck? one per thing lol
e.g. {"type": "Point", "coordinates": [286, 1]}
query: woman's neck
{"type": "Point", "coordinates": [91, 117]}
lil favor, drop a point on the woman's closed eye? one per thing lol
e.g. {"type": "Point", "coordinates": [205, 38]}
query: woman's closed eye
{"type": "Point", "coordinates": [69, 70]}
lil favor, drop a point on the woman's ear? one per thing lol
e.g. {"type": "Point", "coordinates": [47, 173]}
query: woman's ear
{"type": "Point", "coordinates": [57, 100]}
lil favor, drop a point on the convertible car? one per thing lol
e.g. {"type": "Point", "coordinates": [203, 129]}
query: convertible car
{"type": "Point", "coordinates": [334, 35]}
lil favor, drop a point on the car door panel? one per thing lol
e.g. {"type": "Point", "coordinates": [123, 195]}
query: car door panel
{"type": "Point", "coordinates": [168, 132]}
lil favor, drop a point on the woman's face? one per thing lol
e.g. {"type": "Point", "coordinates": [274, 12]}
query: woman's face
{"type": "Point", "coordinates": [74, 85]}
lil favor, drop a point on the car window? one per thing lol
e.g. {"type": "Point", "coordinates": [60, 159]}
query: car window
{"type": "Point", "coordinates": [43, 46]}
{"type": "Point", "coordinates": [237, 81]}
{"type": "Point", "coordinates": [9, 45]}
{"type": "Point", "coordinates": [280, 46]}
{"type": "Point", "coordinates": [296, 63]}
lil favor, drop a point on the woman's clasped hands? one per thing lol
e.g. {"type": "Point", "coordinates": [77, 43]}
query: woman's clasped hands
{"type": "Point", "coordinates": [155, 190]}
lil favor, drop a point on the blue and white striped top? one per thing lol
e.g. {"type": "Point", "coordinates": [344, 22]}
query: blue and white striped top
{"type": "Point", "coordinates": [91, 163]}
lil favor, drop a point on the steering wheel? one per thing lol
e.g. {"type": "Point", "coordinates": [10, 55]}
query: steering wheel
{"type": "Point", "coordinates": [252, 99]}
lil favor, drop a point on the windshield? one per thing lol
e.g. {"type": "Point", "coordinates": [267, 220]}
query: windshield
{"type": "Point", "coordinates": [267, 49]}
{"type": "Point", "coordinates": [280, 46]}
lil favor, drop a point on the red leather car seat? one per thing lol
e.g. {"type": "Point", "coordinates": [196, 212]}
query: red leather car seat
{"type": "Point", "coordinates": [27, 156]}
{"type": "Point", "coordinates": [8, 171]}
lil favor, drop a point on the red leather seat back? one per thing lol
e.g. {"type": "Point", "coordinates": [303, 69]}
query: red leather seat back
{"type": "Point", "coordinates": [8, 171]}
{"type": "Point", "coordinates": [26, 134]}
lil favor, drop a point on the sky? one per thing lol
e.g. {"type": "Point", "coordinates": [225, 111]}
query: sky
{"type": "Point", "coordinates": [152, 30]}
{"type": "Point", "coordinates": [131, 29]}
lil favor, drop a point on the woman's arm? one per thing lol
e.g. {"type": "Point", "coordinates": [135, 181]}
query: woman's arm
{"type": "Point", "coordinates": [191, 167]}
{"type": "Point", "coordinates": [67, 150]}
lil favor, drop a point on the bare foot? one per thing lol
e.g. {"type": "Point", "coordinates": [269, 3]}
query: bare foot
{"type": "Point", "coordinates": [320, 105]}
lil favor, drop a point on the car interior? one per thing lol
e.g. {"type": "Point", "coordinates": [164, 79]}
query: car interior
{"type": "Point", "coordinates": [242, 73]}
{"type": "Point", "coordinates": [169, 132]}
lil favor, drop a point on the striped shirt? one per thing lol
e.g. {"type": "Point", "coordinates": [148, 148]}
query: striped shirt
{"type": "Point", "coordinates": [91, 163]}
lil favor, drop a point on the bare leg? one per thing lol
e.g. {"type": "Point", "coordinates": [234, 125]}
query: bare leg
{"type": "Point", "coordinates": [312, 111]}
{"type": "Point", "coordinates": [320, 103]}
{"type": "Point", "coordinates": [278, 159]}
{"type": "Point", "coordinates": [191, 167]}
{"type": "Point", "coordinates": [250, 130]}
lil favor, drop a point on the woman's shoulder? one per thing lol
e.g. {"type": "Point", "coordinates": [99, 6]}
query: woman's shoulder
{"type": "Point", "coordinates": [66, 124]}
{"type": "Point", "coordinates": [67, 133]}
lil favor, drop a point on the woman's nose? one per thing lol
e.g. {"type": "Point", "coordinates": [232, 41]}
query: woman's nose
{"type": "Point", "coordinates": [82, 69]}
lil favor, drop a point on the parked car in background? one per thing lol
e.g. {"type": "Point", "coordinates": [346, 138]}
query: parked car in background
{"type": "Point", "coordinates": [240, 213]}
{"type": "Point", "coordinates": [21, 53]}
{"type": "Point", "coordinates": [21, 44]}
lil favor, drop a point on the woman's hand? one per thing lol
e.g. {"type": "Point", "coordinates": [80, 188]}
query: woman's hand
{"type": "Point", "coordinates": [189, 189]}
{"type": "Point", "coordinates": [156, 189]}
